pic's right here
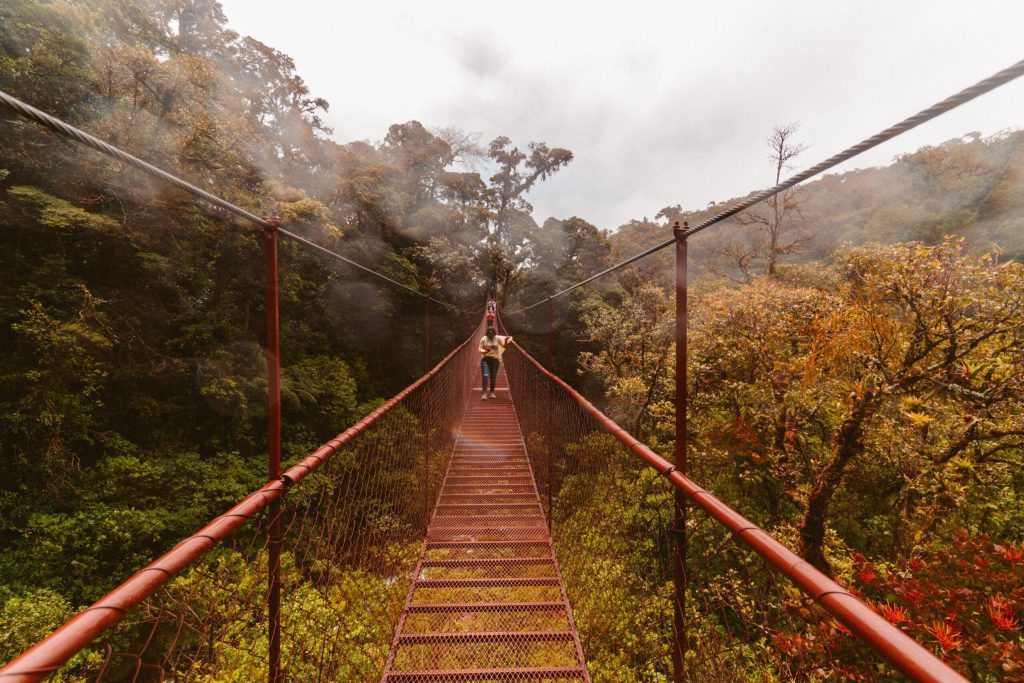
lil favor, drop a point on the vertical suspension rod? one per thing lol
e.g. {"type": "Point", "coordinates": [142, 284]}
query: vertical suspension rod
{"type": "Point", "coordinates": [451, 321]}
{"type": "Point", "coordinates": [426, 447]}
{"type": "Point", "coordinates": [426, 335]}
{"type": "Point", "coordinates": [273, 453]}
{"type": "Point", "coordinates": [679, 518]}
{"type": "Point", "coordinates": [551, 319]}
{"type": "Point", "coordinates": [526, 330]}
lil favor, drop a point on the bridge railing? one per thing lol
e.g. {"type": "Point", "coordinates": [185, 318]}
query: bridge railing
{"type": "Point", "coordinates": [353, 514]}
{"type": "Point", "coordinates": [341, 543]}
{"type": "Point", "coordinates": [751, 609]}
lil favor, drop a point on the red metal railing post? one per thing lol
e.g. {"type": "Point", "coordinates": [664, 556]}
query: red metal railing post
{"type": "Point", "coordinates": [273, 453]}
{"type": "Point", "coordinates": [679, 521]}
{"type": "Point", "coordinates": [551, 353]}
{"type": "Point", "coordinates": [550, 417]}
{"type": "Point", "coordinates": [551, 459]}
{"type": "Point", "coordinates": [426, 335]}
{"type": "Point", "coordinates": [526, 328]}
{"type": "Point", "coordinates": [524, 407]}
{"type": "Point", "coordinates": [451, 320]}
{"type": "Point", "coordinates": [426, 435]}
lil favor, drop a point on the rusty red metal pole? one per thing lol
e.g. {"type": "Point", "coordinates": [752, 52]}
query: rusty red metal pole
{"type": "Point", "coordinates": [426, 437]}
{"type": "Point", "coordinates": [274, 454]}
{"type": "Point", "coordinates": [551, 459]}
{"type": "Point", "coordinates": [551, 318]}
{"type": "Point", "coordinates": [526, 327]}
{"type": "Point", "coordinates": [523, 408]}
{"type": "Point", "coordinates": [679, 521]}
{"type": "Point", "coordinates": [426, 335]}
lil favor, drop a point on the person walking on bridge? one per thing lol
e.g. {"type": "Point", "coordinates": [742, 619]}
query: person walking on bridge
{"type": "Point", "coordinates": [492, 345]}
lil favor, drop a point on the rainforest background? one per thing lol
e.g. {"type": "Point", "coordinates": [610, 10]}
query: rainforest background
{"type": "Point", "coordinates": [857, 351]}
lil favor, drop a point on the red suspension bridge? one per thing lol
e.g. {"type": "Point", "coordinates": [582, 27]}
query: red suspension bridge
{"type": "Point", "coordinates": [444, 538]}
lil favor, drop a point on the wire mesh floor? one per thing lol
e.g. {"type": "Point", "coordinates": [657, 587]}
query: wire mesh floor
{"type": "Point", "coordinates": [487, 601]}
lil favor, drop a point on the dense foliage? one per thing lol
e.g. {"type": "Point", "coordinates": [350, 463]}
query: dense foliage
{"type": "Point", "coordinates": [133, 373]}
{"type": "Point", "coordinates": [861, 398]}
{"type": "Point", "coordinates": [868, 410]}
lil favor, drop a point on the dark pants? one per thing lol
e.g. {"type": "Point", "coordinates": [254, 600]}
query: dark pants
{"type": "Point", "coordinates": [489, 367]}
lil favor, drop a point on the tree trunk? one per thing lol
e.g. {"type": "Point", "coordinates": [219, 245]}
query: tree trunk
{"type": "Point", "coordinates": [504, 288]}
{"type": "Point", "coordinates": [848, 445]}
{"type": "Point", "coordinates": [651, 389]}
{"type": "Point", "coordinates": [899, 527]}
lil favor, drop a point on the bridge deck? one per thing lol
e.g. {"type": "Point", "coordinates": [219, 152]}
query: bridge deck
{"type": "Point", "coordinates": [487, 602]}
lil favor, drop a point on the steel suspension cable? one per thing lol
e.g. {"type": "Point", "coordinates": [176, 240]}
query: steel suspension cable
{"type": "Point", "coordinates": [952, 102]}
{"type": "Point", "coordinates": [67, 130]}
{"type": "Point", "coordinates": [61, 127]}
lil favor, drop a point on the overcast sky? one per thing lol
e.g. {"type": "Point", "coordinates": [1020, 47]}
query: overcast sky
{"type": "Point", "coordinates": [662, 102]}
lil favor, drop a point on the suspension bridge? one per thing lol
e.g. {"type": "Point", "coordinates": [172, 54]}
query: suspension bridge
{"type": "Point", "coordinates": [447, 538]}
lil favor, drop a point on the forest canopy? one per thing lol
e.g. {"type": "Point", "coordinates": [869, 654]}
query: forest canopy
{"type": "Point", "coordinates": [859, 396]}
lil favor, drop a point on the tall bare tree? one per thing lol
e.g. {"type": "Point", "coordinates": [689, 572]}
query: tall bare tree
{"type": "Point", "coordinates": [772, 233]}
{"type": "Point", "coordinates": [779, 230]}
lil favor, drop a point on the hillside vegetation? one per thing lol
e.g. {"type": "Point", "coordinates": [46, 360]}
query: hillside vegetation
{"type": "Point", "coordinates": [865, 403]}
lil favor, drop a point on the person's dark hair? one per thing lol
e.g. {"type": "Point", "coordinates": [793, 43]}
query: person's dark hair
{"type": "Point", "coordinates": [490, 332]}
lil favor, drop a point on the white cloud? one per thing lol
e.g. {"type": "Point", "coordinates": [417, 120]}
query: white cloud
{"type": "Point", "coordinates": [662, 103]}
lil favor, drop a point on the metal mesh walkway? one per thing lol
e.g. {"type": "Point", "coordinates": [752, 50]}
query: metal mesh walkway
{"type": "Point", "coordinates": [487, 601]}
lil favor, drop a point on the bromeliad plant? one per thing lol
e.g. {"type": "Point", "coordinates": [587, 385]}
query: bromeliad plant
{"type": "Point", "coordinates": [964, 601]}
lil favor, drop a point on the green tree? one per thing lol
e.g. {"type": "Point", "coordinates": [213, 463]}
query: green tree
{"type": "Point", "coordinates": [517, 172]}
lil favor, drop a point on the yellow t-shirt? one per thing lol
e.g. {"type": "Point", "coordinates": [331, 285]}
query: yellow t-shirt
{"type": "Point", "coordinates": [493, 348]}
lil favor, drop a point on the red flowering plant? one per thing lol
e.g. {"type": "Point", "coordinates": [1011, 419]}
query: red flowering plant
{"type": "Point", "coordinates": [964, 602]}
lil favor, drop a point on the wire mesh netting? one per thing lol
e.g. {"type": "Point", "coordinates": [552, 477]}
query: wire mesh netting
{"type": "Point", "coordinates": [487, 601]}
{"type": "Point", "coordinates": [612, 525]}
{"type": "Point", "coordinates": [506, 539]}
{"type": "Point", "coordinates": [352, 530]}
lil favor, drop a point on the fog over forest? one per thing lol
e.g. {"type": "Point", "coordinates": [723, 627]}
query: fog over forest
{"type": "Point", "coordinates": [855, 355]}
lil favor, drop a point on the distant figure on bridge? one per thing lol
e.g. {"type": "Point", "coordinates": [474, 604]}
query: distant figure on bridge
{"type": "Point", "coordinates": [492, 345]}
{"type": "Point", "coordinates": [492, 309]}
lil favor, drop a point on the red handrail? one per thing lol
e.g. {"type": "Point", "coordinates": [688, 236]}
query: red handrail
{"type": "Point", "coordinates": [50, 654]}
{"type": "Point", "coordinates": [899, 649]}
